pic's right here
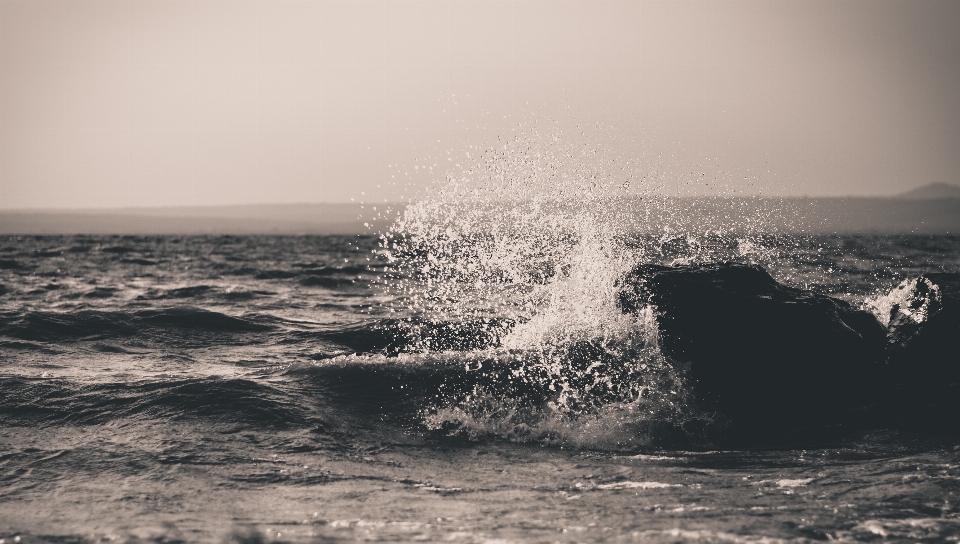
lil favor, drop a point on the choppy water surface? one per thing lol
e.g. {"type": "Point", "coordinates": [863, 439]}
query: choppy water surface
{"type": "Point", "coordinates": [190, 389]}
{"type": "Point", "coordinates": [465, 376]}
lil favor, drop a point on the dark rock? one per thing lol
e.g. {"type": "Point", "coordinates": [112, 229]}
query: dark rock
{"type": "Point", "coordinates": [924, 346]}
{"type": "Point", "coordinates": [760, 352]}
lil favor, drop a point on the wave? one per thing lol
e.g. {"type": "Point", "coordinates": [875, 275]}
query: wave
{"type": "Point", "coordinates": [518, 396]}
{"type": "Point", "coordinates": [118, 250]}
{"type": "Point", "coordinates": [312, 275]}
{"type": "Point", "coordinates": [45, 326]}
{"type": "Point", "coordinates": [675, 356]}
{"type": "Point", "coordinates": [716, 353]}
{"type": "Point", "coordinates": [101, 292]}
{"type": "Point", "coordinates": [189, 318]}
{"type": "Point", "coordinates": [56, 402]}
{"type": "Point", "coordinates": [326, 282]}
{"type": "Point", "coordinates": [193, 291]}
{"type": "Point", "coordinates": [394, 336]}
{"type": "Point", "coordinates": [518, 301]}
{"type": "Point", "coordinates": [139, 261]}
{"type": "Point", "coordinates": [675, 329]}
{"type": "Point", "coordinates": [276, 274]}
{"type": "Point", "coordinates": [321, 270]}
{"type": "Point", "coordinates": [201, 292]}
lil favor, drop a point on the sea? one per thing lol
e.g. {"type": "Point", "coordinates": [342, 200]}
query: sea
{"type": "Point", "coordinates": [417, 383]}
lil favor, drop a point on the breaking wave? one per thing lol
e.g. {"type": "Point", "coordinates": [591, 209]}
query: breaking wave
{"type": "Point", "coordinates": [515, 260]}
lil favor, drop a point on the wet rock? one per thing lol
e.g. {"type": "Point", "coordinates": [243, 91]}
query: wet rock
{"type": "Point", "coordinates": [760, 352]}
{"type": "Point", "coordinates": [924, 345]}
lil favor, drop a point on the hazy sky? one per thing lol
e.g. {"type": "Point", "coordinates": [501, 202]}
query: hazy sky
{"type": "Point", "coordinates": [164, 102]}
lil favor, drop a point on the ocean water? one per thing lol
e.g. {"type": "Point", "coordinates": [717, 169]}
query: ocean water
{"type": "Point", "coordinates": [207, 389]}
{"type": "Point", "coordinates": [467, 375]}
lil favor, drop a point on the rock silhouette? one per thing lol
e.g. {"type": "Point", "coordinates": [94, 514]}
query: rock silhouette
{"type": "Point", "coordinates": [760, 352]}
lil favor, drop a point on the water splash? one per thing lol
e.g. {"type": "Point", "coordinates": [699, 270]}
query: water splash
{"type": "Point", "coordinates": [532, 230]}
{"type": "Point", "coordinates": [537, 232]}
{"type": "Point", "coordinates": [914, 298]}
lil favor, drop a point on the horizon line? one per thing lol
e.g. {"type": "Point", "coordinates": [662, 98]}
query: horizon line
{"type": "Point", "coordinates": [131, 208]}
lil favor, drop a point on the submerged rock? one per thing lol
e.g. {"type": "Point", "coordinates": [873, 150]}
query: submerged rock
{"type": "Point", "coordinates": [923, 316]}
{"type": "Point", "coordinates": [760, 352]}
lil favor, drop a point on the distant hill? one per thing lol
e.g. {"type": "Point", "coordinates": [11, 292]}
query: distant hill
{"type": "Point", "coordinates": [931, 191]}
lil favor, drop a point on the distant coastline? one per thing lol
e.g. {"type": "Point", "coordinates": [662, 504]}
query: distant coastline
{"type": "Point", "coordinates": [184, 220]}
{"type": "Point", "coordinates": [932, 190]}
{"type": "Point", "coordinates": [911, 212]}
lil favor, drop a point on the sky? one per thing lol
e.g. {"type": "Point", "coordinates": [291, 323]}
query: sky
{"type": "Point", "coordinates": [208, 102]}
